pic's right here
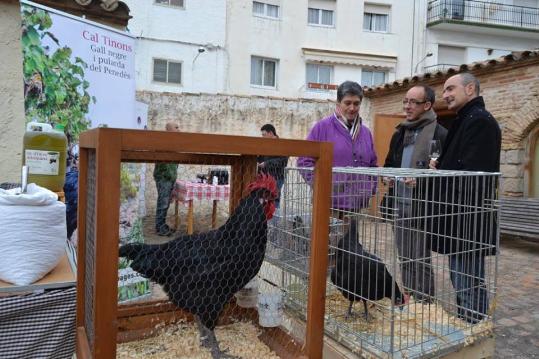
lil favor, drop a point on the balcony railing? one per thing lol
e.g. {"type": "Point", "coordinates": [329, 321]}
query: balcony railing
{"type": "Point", "coordinates": [483, 12]}
{"type": "Point", "coordinates": [439, 67]}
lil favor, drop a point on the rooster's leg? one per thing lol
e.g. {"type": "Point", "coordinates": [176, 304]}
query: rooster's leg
{"type": "Point", "coordinates": [209, 341]}
{"type": "Point", "coordinates": [366, 313]}
{"type": "Point", "coordinates": [349, 313]}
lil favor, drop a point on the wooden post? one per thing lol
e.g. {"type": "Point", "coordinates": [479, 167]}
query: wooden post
{"type": "Point", "coordinates": [190, 218]}
{"type": "Point", "coordinates": [314, 341]}
{"type": "Point", "coordinates": [249, 170]}
{"type": "Point", "coordinates": [243, 172]}
{"type": "Point", "coordinates": [236, 184]}
{"type": "Point", "coordinates": [176, 215]}
{"type": "Point", "coordinates": [106, 243]}
{"type": "Point", "coordinates": [81, 251]}
{"type": "Point", "coordinates": [214, 215]}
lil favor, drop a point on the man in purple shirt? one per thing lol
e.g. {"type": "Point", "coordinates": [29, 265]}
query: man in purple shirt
{"type": "Point", "coordinates": [352, 147]}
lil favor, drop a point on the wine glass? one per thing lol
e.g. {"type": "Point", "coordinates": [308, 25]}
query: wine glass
{"type": "Point", "coordinates": [435, 149]}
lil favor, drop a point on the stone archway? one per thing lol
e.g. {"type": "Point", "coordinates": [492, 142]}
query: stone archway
{"type": "Point", "coordinates": [518, 127]}
{"type": "Point", "coordinates": [531, 162]}
{"type": "Point", "coordinates": [519, 136]}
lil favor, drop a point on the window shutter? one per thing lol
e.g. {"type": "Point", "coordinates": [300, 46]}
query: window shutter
{"type": "Point", "coordinates": [160, 70]}
{"type": "Point", "coordinates": [269, 73]}
{"type": "Point", "coordinates": [174, 72]}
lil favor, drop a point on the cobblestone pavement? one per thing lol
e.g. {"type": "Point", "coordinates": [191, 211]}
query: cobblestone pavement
{"type": "Point", "coordinates": [517, 311]}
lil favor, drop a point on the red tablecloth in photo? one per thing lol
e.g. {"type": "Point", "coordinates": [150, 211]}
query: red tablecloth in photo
{"type": "Point", "coordinates": [186, 192]}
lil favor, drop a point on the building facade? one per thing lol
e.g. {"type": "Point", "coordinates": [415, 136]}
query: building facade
{"type": "Point", "coordinates": [464, 31]}
{"type": "Point", "coordinates": [305, 48]}
{"type": "Point", "coordinates": [180, 45]}
{"type": "Point", "coordinates": [298, 49]}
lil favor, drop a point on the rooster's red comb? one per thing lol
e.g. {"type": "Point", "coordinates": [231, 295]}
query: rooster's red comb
{"type": "Point", "coordinates": [264, 181]}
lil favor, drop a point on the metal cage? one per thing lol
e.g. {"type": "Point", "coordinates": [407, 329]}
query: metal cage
{"type": "Point", "coordinates": [416, 247]}
{"type": "Point", "coordinates": [101, 320]}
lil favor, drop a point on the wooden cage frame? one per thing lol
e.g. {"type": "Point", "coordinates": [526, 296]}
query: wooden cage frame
{"type": "Point", "coordinates": [109, 147]}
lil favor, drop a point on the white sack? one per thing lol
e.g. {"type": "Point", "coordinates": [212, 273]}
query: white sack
{"type": "Point", "coordinates": [32, 234]}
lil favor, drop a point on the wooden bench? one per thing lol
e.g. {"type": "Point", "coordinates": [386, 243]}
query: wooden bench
{"type": "Point", "coordinates": [519, 216]}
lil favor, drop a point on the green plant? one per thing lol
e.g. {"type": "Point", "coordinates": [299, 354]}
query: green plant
{"type": "Point", "coordinates": [127, 187]}
{"type": "Point", "coordinates": [138, 289]}
{"type": "Point", "coordinates": [133, 291]}
{"type": "Point", "coordinates": [136, 234]}
{"type": "Point", "coordinates": [54, 88]}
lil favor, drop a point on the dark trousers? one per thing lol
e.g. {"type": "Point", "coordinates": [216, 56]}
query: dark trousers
{"type": "Point", "coordinates": [468, 278]}
{"type": "Point", "coordinates": [164, 191]}
{"type": "Point", "coordinates": [279, 188]}
{"type": "Point", "coordinates": [414, 256]}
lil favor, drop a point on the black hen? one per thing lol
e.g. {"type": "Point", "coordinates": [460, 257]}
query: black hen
{"type": "Point", "coordinates": [360, 275]}
{"type": "Point", "coordinates": [201, 272]}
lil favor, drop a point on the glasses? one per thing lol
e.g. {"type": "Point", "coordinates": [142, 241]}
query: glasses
{"type": "Point", "coordinates": [412, 102]}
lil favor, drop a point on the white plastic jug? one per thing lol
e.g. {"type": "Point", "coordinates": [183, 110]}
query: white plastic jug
{"type": "Point", "coordinates": [270, 309]}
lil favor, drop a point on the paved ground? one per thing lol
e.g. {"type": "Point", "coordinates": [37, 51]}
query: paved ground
{"type": "Point", "coordinates": [517, 312]}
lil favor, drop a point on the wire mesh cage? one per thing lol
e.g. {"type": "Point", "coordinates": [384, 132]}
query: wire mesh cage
{"type": "Point", "coordinates": [412, 270]}
{"type": "Point", "coordinates": [187, 283]}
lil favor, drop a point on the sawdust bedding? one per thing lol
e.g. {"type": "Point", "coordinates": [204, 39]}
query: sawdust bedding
{"type": "Point", "coordinates": [409, 324]}
{"type": "Point", "coordinates": [182, 340]}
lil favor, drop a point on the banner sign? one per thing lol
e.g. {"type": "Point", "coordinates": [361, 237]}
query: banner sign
{"type": "Point", "coordinates": [77, 73]}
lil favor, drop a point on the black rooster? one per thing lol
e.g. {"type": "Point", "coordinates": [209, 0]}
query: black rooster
{"type": "Point", "coordinates": [201, 272]}
{"type": "Point", "coordinates": [360, 275]}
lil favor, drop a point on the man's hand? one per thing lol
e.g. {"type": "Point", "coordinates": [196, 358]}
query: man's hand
{"type": "Point", "coordinates": [410, 182]}
{"type": "Point", "coordinates": [388, 181]}
{"type": "Point", "coordinates": [433, 164]}
{"type": "Point", "coordinates": [262, 164]}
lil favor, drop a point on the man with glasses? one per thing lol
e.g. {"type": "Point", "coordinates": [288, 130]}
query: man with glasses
{"type": "Point", "coordinates": [409, 148]}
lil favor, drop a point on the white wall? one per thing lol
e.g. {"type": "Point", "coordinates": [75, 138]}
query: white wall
{"type": "Point", "coordinates": [176, 34]}
{"type": "Point", "coordinates": [477, 44]}
{"type": "Point", "coordinates": [284, 38]}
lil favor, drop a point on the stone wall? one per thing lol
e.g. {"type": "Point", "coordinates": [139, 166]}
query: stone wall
{"type": "Point", "coordinates": [230, 115]}
{"type": "Point", "coordinates": [234, 115]}
{"type": "Point", "coordinates": [11, 92]}
{"type": "Point", "coordinates": [511, 94]}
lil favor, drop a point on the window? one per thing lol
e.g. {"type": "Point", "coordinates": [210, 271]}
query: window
{"type": "Point", "coordinates": [372, 78]}
{"type": "Point", "coordinates": [175, 3]}
{"type": "Point", "coordinates": [376, 18]}
{"type": "Point", "coordinates": [375, 22]}
{"type": "Point", "coordinates": [265, 10]}
{"type": "Point", "coordinates": [263, 72]}
{"type": "Point", "coordinates": [318, 74]}
{"type": "Point", "coordinates": [320, 17]}
{"type": "Point", "coordinates": [167, 71]}
{"type": "Point", "coordinates": [451, 55]}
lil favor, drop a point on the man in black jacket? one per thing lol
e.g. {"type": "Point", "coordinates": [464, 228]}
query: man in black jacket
{"type": "Point", "coordinates": [467, 235]}
{"type": "Point", "coordinates": [272, 165]}
{"type": "Point", "coordinates": [409, 148]}
{"type": "Point", "coordinates": [164, 175]}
